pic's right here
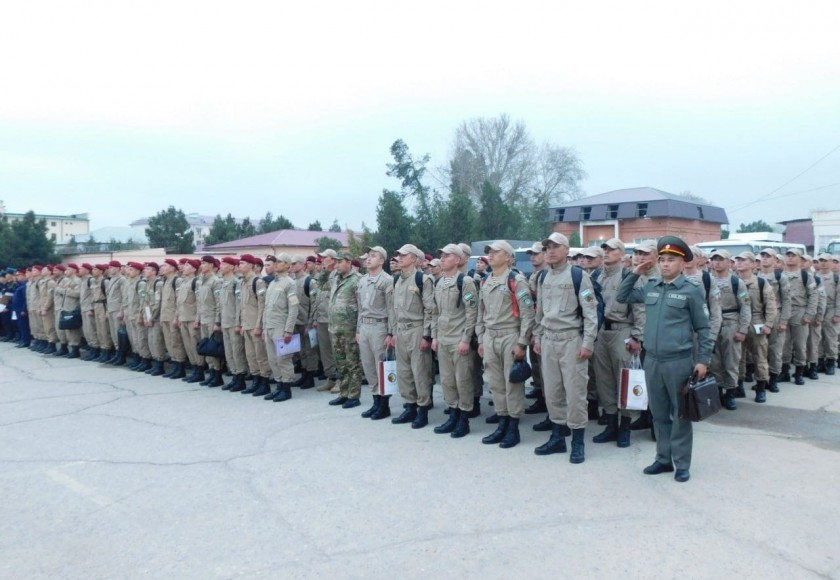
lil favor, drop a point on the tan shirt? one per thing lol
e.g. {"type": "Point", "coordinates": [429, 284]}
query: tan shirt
{"type": "Point", "coordinates": [153, 299]}
{"type": "Point", "coordinates": [559, 309]}
{"type": "Point", "coordinates": [229, 301]}
{"type": "Point", "coordinates": [281, 304]}
{"type": "Point", "coordinates": [412, 306]}
{"type": "Point", "coordinates": [207, 292]}
{"type": "Point", "coordinates": [169, 298]}
{"type": "Point", "coordinates": [456, 311]}
{"type": "Point", "coordinates": [376, 299]}
{"type": "Point", "coordinates": [614, 311]}
{"type": "Point", "coordinates": [86, 293]}
{"type": "Point", "coordinates": [495, 307]}
{"type": "Point", "coordinates": [251, 302]}
{"type": "Point", "coordinates": [114, 289]}
{"type": "Point", "coordinates": [306, 304]}
{"type": "Point", "coordinates": [187, 304]}
{"type": "Point", "coordinates": [763, 303]}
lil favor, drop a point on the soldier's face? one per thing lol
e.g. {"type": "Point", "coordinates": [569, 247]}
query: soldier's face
{"type": "Point", "coordinates": [407, 261]}
{"type": "Point", "coordinates": [538, 259]}
{"type": "Point", "coordinates": [793, 261]}
{"type": "Point", "coordinates": [374, 261]}
{"type": "Point", "coordinates": [149, 272]}
{"type": "Point", "coordinates": [280, 267]}
{"type": "Point", "coordinates": [270, 267]}
{"type": "Point", "coordinates": [671, 266]}
{"type": "Point", "coordinates": [449, 262]}
{"type": "Point", "coordinates": [613, 256]}
{"type": "Point", "coordinates": [743, 265]}
{"type": "Point", "coordinates": [720, 264]}
{"type": "Point", "coordinates": [344, 267]}
{"type": "Point", "coordinates": [499, 260]}
{"type": "Point", "coordinates": [767, 261]}
{"type": "Point", "coordinates": [822, 264]}
{"type": "Point", "coordinates": [556, 253]}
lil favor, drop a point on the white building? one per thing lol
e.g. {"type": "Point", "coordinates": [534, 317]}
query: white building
{"type": "Point", "coordinates": [199, 225]}
{"type": "Point", "coordinates": [60, 228]}
{"type": "Point", "coordinates": [826, 227]}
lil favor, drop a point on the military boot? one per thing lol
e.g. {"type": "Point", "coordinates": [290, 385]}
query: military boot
{"type": "Point", "coordinates": [331, 382]}
{"type": "Point", "coordinates": [145, 364]}
{"type": "Point", "coordinates": [760, 392]}
{"type": "Point", "coordinates": [209, 376]}
{"type": "Point", "coordinates": [492, 419]}
{"type": "Point", "coordinates": [476, 410]}
{"type": "Point", "coordinates": [450, 424]}
{"type": "Point", "coordinates": [555, 444]}
{"type": "Point", "coordinates": [422, 418]}
{"type": "Point", "coordinates": [240, 385]}
{"type": "Point", "coordinates": [497, 435]}
{"type": "Point", "coordinates": [511, 438]}
{"type": "Point", "coordinates": [623, 437]}
{"type": "Point", "coordinates": [133, 362]}
{"type": "Point", "coordinates": [784, 376]}
{"type": "Point", "coordinates": [773, 385]}
{"type": "Point", "coordinates": [73, 352]}
{"type": "Point", "coordinates": [611, 431]}
{"type": "Point", "coordinates": [544, 425]}
{"type": "Point", "coordinates": [50, 349]}
{"type": "Point", "coordinates": [369, 413]}
{"type": "Point", "coordinates": [643, 422]}
{"type": "Point", "coordinates": [749, 377]}
{"type": "Point", "coordinates": [308, 380]}
{"type": "Point", "coordinates": [797, 376]}
{"type": "Point", "coordinates": [577, 454]}
{"type": "Point", "coordinates": [384, 409]}
{"type": "Point", "coordinates": [538, 406]}
{"type": "Point", "coordinates": [407, 416]}
{"type": "Point", "coordinates": [738, 392]}
{"type": "Point", "coordinates": [727, 400]}
{"type": "Point", "coordinates": [178, 372]}
{"type": "Point", "coordinates": [234, 380]}
{"type": "Point", "coordinates": [198, 376]}
{"type": "Point", "coordinates": [62, 351]}
{"type": "Point", "coordinates": [829, 366]}
{"type": "Point", "coordinates": [812, 372]}
{"type": "Point", "coordinates": [463, 427]}
{"type": "Point", "coordinates": [120, 359]}
{"type": "Point", "coordinates": [265, 389]}
{"type": "Point", "coordinates": [218, 380]}
{"type": "Point", "coordinates": [254, 386]}
{"type": "Point", "coordinates": [285, 392]}
{"type": "Point", "coordinates": [91, 354]}
{"type": "Point", "coordinates": [157, 369]}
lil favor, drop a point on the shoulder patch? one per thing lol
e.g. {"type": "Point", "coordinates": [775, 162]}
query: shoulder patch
{"type": "Point", "coordinates": [692, 281]}
{"type": "Point", "coordinates": [588, 296]}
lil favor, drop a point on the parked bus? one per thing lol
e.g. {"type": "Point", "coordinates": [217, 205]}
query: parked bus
{"type": "Point", "coordinates": [735, 247]}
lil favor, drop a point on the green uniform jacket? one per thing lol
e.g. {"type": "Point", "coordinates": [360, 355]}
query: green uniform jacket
{"type": "Point", "coordinates": [344, 307]}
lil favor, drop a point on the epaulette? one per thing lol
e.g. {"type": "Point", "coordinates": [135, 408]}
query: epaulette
{"type": "Point", "coordinates": [692, 281]}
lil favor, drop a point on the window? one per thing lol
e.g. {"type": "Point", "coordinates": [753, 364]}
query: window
{"type": "Point", "coordinates": [53, 224]}
{"type": "Point", "coordinates": [559, 214]}
{"type": "Point", "coordinates": [586, 213]}
{"type": "Point", "coordinates": [641, 210]}
{"type": "Point", "coordinates": [612, 212]}
{"type": "Point", "coordinates": [52, 237]}
{"type": "Point", "coordinates": [700, 212]}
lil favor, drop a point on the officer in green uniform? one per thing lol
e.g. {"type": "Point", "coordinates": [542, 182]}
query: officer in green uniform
{"type": "Point", "coordinates": [675, 308]}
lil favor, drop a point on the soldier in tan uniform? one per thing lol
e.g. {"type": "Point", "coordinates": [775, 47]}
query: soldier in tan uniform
{"type": "Point", "coordinates": [36, 325]}
{"type": "Point", "coordinates": [251, 305]}
{"type": "Point", "coordinates": [828, 338]}
{"type": "Point", "coordinates": [59, 282]}
{"type": "Point", "coordinates": [67, 300]}
{"type": "Point", "coordinates": [186, 319]}
{"type": "Point", "coordinates": [815, 331]}
{"type": "Point", "coordinates": [619, 340]}
{"type": "Point", "coordinates": [114, 295]}
{"type": "Point", "coordinates": [476, 364]}
{"type": "Point", "coordinates": [46, 308]}
{"type": "Point", "coordinates": [229, 316]}
{"type": "Point", "coordinates": [134, 296]}
{"type": "Point", "coordinates": [100, 313]}
{"type": "Point", "coordinates": [804, 300]}
{"type": "Point", "coordinates": [453, 330]}
{"type": "Point", "coordinates": [566, 327]}
{"type": "Point", "coordinates": [306, 293]}
{"type": "Point", "coordinates": [209, 315]}
{"type": "Point", "coordinates": [88, 317]}
{"type": "Point", "coordinates": [776, 340]}
{"type": "Point", "coordinates": [376, 324]}
{"type": "Point", "coordinates": [151, 317]}
{"type": "Point", "coordinates": [168, 315]}
{"type": "Point", "coordinates": [504, 326]}
{"type": "Point", "coordinates": [414, 303]}
{"type": "Point", "coordinates": [279, 316]}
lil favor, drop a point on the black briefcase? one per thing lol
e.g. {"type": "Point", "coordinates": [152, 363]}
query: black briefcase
{"type": "Point", "coordinates": [700, 398]}
{"type": "Point", "coordinates": [212, 346]}
{"type": "Point", "coordinates": [70, 320]}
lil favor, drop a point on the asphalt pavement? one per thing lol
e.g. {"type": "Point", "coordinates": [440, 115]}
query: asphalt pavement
{"type": "Point", "coordinates": [108, 473]}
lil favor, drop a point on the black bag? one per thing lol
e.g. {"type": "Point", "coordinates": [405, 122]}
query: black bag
{"type": "Point", "coordinates": [123, 344]}
{"type": "Point", "coordinates": [212, 346]}
{"type": "Point", "coordinates": [70, 320]}
{"type": "Point", "coordinates": [700, 399]}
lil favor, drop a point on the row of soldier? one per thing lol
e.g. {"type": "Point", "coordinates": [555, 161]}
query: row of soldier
{"type": "Point", "coordinates": [768, 313]}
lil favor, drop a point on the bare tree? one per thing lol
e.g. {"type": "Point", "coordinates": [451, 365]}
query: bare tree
{"type": "Point", "coordinates": [558, 173]}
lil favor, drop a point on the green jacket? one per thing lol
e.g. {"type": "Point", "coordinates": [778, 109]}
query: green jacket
{"type": "Point", "coordinates": [344, 307]}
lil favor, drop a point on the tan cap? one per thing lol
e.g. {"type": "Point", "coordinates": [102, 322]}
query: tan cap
{"type": "Point", "coordinates": [557, 238]}
{"type": "Point", "coordinates": [284, 258]}
{"type": "Point", "coordinates": [697, 251]}
{"type": "Point", "coordinates": [613, 244]}
{"type": "Point", "coordinates": [411, 249]}
{"type": "Point", "coordinates": [645, 248]}
{"type": "Point", "coordinates": [435, 263]}
{"type": "Point", "coordinates": [745, 255]}
{"type": "Point", "coordinates": [329, 253]}
{"type": "Point", "coordinates": [500, 246]}
{"type": "Point", "coordinates": [379, 250]}
{"type": "Point", "coordinates": [466, 248]}
{"type": "Point", "coordinates": [770, 252]}
{"type": "Point", "coordinates": [452, 249]}
{"type": "Point", "coordinates": [796, 251]}
{"type": "Point", "coordinates": [298, 260]}
{"type": "Point", "coordinates": [719, 252]}
{"type": "Point", "coordinates": [824, 256]}
{"type": "Point", "coordinates": [835, 257]}
{"type": "Point", "coordinates": [593, 252]}
{"type": "Point", "coordinates": [537, 248]}
{"type": "Point", "coordinates": [807, 257]}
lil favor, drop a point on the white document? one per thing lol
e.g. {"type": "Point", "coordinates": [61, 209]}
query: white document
{"type": "Point", "coordinates": [313, 337]}
{"type": "Point", "coordinates": [284, 349]}
{"type": "Point", "coordinates": [2, 307]}
{"type": "Point", "coordinates": [758, 328]}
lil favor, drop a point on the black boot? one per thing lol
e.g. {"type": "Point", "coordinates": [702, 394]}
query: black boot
{"type": "Point", "coordinates": [254, 386]}
{"type": "Point", "coordinates": [119, 359]}
{"type": "Point", "coordinates": [191, 375]}
{"type": "Point", "coordinates": [760, 392]}
{"type": "Point", "coordinates": [623, 438]}
{"type": "Point", "coordinates": [476, 410]}
{"type": "Point", "coordinates": [62, 351]}
{"type": "Point", "coordinates": [265, 388]}
{"type": "Point", "coordinates": [145, 365]}
{"type": "Point", "coordinates": [749, 377]}
{"type": "Point", "coordinates": [643, 422]}
{"type": "Point", "coordinates": [157, 369]}
{"type": "Point", "coordinates": [233, 382]}
{"type": "Point", "coordinates": [308, 380]}
{"type": "Point", "coordinates": [544, 425]}
{"type": "Point", "coordinates": [422, 418]}
{"type": "Point", "coordinates": [829, 366]}
{"type": "Point", "coordinates": [511, 438]}
{"type": "Point", "coordinates": [577, 454]}
{"type": "Point", "coordinates": [602, 420]}
{"type": "Point", "coordinates": [178, 372]}
{"type": "Point", "coordinates": [738, 392]}
{"type": "Point", "coordinates": [784, 376]}
{"type": "Point", "coordinates": [407, 416]}
{"type": "Point", "coordinates": [492, 419]}
{"type": "Point", "coordinates": [240, 384]}
{"type": "Point", "coordinates": [773, 385]}
{"type": "Point", "coordinates": [592, 409]}
{"type": "Point", "coordinates": [555, 444]}
{"type": "Point", "coordinates": [369, 413]}
{"type": "Point", "coordinates": [91, 354]}
{"type": "Point", "coordinates": [450, 423]}
{"type": "Point", "coordinates": [74, 352]}
{"type": "Point", "coordinates": [198, 377]}
{"type": "Point", "coordinates": [610, 433]}
{"type": "Point", "coordinates": [50, 349]}
{"type": "Point", "coordinates": [218, 380]}
{"type": "Point", "coordinates": [284, 392]}
{"type": "Point", "coordinates": [821, 365]}
{"type": "Point", "coordinates": [133, 362]}
{"type": "Point", "coordinates": [499, 434]}
{"type": "Point", "coordinates": [728, 401]}
{"type": "Point", "coordinates": [384, 409]}
{"type": "Point", "coordinates": [209, 376]}
{"type": "Point", "coordinates": [797, 376]}
{"type": "Point", "coordinates": [537, 406]}
{"type": "Point", "coordinates": [812, 372]}
{"type": "Point", "coordinates": [463, 427]}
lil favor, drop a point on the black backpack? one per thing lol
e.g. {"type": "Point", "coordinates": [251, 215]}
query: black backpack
{"type": "Point", "coordinates": [577, 278]}
{"type": "Point", "coordinates": [459, 283]}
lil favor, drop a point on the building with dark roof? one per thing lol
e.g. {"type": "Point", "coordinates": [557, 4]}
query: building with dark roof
{"type": "Point", "coordinates": [301, 242]}
{"type": "Point", "coordinates": [636, 215]}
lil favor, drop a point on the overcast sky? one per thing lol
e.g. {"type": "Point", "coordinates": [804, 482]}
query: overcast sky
{"type": "Point", "coordinates": [120, 109]}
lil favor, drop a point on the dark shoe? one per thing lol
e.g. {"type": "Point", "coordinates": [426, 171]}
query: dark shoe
{"type": "Point", "coordinates": [797, 377]}
{"type": "Point", "coordinates": [537, 406]}
{"type": "Point", "coordinates": [602, 420]}
{"type": "Point", "coordinates": [643, 422]}
{"type": "Point", "coordinates": [784, 376]}
{"type": "Point", "coordinates": [369, 413]}
{"type": "Point", "coordinates": [240, 384]}
{"type": "Point", "coordinates": [738, 392]}
{"type": "Point", "coordinates": [511, 438]}
{"type": "Point", "coordinates": [829, 367]}
{"type": "Point", "coordinates": [499, 434]}
{"type": "Point", "coordinates": [812, 372]}
{"type": "Point", "coordinates": [120, 360]}
{"type": "Point", "coordinates": [264, 389]}
{"type": "Point", "coordinates": [656, 468]}
{"type": "Point", "coordinates": [134, 362]}
{"type": "Point", "coordinates": [610, 433]}
{"type": "Point", "coordinates": [749, 377]}
{"type": "Point", "coordinates": [92, 354]}
{"type": "Point", "coordinates": [233, 382]}
{"type": "Point", "coordinates": [308, 380]}
{"type": "Point", "coordinates": [62, 351]}
{"type": "Point", "coordinates": [407, 416]}
{"type": "Point", "coordinates": [384, 409]}
{"type": "Point", "coordinates": [463, 427]}
{"type": "Point", "coordinates": [198, 376]}
{"type": "Point", "coordinates": [492, 419]}
{"type": "Point", "coordinates": [218, 380]}
{"type": "Point", "coordinates": [760, 392]}
{"type": "Point", "coordinates": [284, 393]}
{"type": "Point", "coordinates": [555, 444]}
{"type": "Point", "coordinates": [258, 380]}
{"type": "Point", "coordinates": [450, 424]}
{"type": "Point", "coordinates": [365, 382]}
{"type": "Point", "coordinates": [74, 352]}
{"type": "Point", "coordinates": [422, 418]}
{"type": "Point", "coordinates": [157, 369]}
{"type": "Point", "coordinates": [145, 364]}
{"type": "Point", "coordinates": [351, 403]}
{"type": "Point", "coordinates": [533, 394]}
{"type": "Point", "coordinates": [209, 377]}
{"type": "Point", "coordinates": [728, 401]}
{"type": "Point", "coordinates": [544, 425]}
{"type": "Point", "coordinates": [577, 455]}
{"type": "Point", "coordinates": [476, 410]}
{"type": "Point", "coordinates": [338, 401]}
{"type": "Point", "coordinates": [773, 385]}
{"type": "Point", "coordinates": [682, 475]}
{"type": "Point", "coordinates": [592, 409]}
{"type": "Point", "coordinates": [178, 372]}
{"type": "Point", "coordinates": [623, 437]}
{"type": "Point", "coordinates": [821, 365]}
{"type": "Point", "coordinates": [50, 349]}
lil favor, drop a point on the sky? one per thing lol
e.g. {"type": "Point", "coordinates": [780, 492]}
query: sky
{"type": "Point", "coordinates": [120, 109]}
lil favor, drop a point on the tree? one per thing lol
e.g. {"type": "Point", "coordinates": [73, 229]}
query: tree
{"type": "Point", "coordinates": [25, 241]}
{"type": "Point", "coordinates": [574, 240]}
{"type": "Point", "coordinates": [118, 246]}
{"type": "Point", "coordinates": [335, 227]}
{"type": "Point", "coordinates": [756, 226]}
{"type": "Point", "coordinates": [458, 218]}
{"type": "Point", "coordinates": [247, 229]}
{"type": "Point", "coordinates": [223, 230]}
{"type": "Point", "coordinates": [315, 227]}
{"type": "Point", "coordinates": [495, 219]}
{"type": "Point", "coordinates": [270, 224]}
{"type": "Point", "coordinates": [356, 244]}
{"type": "Point", "coordinates": [410, 172]}
{"type": "Point", "coordinates": [326, 243]}
{"type": "Point", "coordinates": [393, 221]}
{"type": "Point", "coordinates": [170, 229]}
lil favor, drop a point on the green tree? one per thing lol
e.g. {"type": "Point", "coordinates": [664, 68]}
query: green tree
{"type": "Point", "coordinates": [170, 229]}
{"type": "Point", "coordinates": [223, 230]}
{"type": "Point", "coordinates": [357, 244]}
{"type": "Point", "coordinates": [458, 219]}
{"type": "Point", "coordinates": [271, 224]}
{"type": "Point", "coordinates": [326, 243]}
{"type": "Point", "coordinates": [724, 233]}
{"type": "Point", "coordinates": [247, 229]}
{"type": "Point", "coordinates": [335, 227]}
{"type": "Point", "coordinates": [25, 241]}
{"type": "Point", "coordinates": [393, 222]}
{"type": "Point", "coordinates": [496, 219]}
{"type": "Point", "coordinates": [410, 172]}
{"type": "Point", "coordinates": [756, 226]}
{"type": "Point", "coordinates": [574, 240]}
{"type": "Point", "coordinates": [118, 246]}
{"type": "Point", "coordinates": [315, 227]}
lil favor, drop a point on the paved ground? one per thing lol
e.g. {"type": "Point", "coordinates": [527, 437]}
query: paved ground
{"type": "Point", "coordinates": [108, 473]}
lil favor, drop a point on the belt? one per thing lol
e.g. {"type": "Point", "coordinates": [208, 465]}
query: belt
{"type": "Point", "coordinates": [730, 310]}
{"type": "Point", "coordinates": [560, 334]}
{"type": "Point", "coordinates": [367, 320]}
{"type": "Point", "coordinates": [496, 332]}
{"type": "Point", "coordinates": [410, 324]}
{"type": "Point", "coordinates": [611, 325]}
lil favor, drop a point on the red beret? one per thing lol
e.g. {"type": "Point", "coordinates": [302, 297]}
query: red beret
{"type": "Point", "coordinates": [270, 258]}
{"type": "Point", "coordinates": [87, 266]}
{"type": "Point", "coordinates": [216, 263]}
{"type": "Point", "coordinates": [153, 265]}
{"type": "Point", "coordinates": [248, 258]}
{"type": "Point", "coordinates": [74, 266]}
{"type": "Point", "coordinates": [259, 262]}
{"type": "Point", "coordinates": [37, 267]}
{"type": "Point", "coordinates": [114, 264]}
{"type": "Point", "coordinates": [59, 267]}
{"type": "Point", "coordinates": [208, 258]}
{"type": "Point", "coordinates": [171, 262]}
{"type": "Point", "coordinates": [183, 260]}
{"type": "Point", "coordinates": [429, 257]}
{"type": "Point", "coordinates": [313, 259]}
{"type": "Point", "coordinates": [485, 259]}
{"type": "Point", "coordinates": [48, 267]}
{"type": "Point", "coordinates": [194, 263]}
{"type": "Point", "coordinates": [102, 267]}
{"type": "Point", "coordinates": [356, 263]}
{"type": "Point", "coordinates": [233, 261]}
{"type": "Point", "coordinates": [136, 265]}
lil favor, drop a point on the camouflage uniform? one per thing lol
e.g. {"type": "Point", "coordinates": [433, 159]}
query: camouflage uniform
{"type": "Point", "coordinates": [344, 314]}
